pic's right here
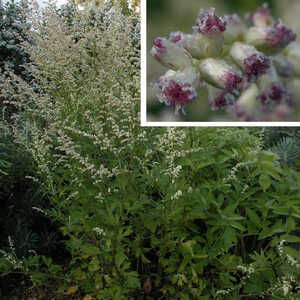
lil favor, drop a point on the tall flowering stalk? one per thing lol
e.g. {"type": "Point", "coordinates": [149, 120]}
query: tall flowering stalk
{"type": "Point", "coordinates": [248, 70]}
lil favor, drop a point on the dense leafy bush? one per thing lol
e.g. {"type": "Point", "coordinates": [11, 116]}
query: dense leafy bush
{"type": "Point", "coordinates": [159, 213]}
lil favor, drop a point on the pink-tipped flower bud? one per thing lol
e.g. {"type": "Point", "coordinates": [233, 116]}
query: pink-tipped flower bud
{"type": "Point", "coordinates": [271, 39]}
{"type": "Point", "coordinates": [293, 55]}
{"type": "Point", "coordinates": [272, 90]}
{"type": "Point", "coordinates": [219, 99]}
{"type": "Point", "coordinates": [274, 94]}
{"type": "Point", "coordinates": [235, 29]}
{"type": "Point", "coordinates": [282, 112]}
{"type": "Point", "coordinates": [178, 89]}
{"type": "Point", "coordinates": [220, 74]}
{"type": "Point", "coordinates": [247, 107]}
{"type": "Point", "coordinates": [208, 23]}
{"type": "Point", "coordinates": [283, 66]}
{"type": "Point", "coordinates": [170, 55]}
{"type": "Point", "coordinates": [198, 45]}
{"type": "Point", "coordinates": [262, 17]}
{"type": "Point", "coordinates": [251, 61]}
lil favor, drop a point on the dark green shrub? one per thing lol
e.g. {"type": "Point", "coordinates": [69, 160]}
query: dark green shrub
{"type": "Point", "coordinates": [19, 196]}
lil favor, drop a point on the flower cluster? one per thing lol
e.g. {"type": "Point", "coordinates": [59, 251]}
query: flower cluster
{"type": "Point", "coordinates": [249, 70]}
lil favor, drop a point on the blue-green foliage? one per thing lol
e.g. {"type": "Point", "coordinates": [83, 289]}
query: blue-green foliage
{"type": "Point", "coordinates": [285, 142]}
{"type": "Point", "coordinates": [13, 31]}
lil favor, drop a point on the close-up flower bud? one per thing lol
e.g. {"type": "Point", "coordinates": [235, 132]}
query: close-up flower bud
{"type": "Point", "coordinates": [283, 67]}
{"type": "Point", "coordinates": [235, 29]}
{"type": "Point", "coordinates": [271, 76]}
{"type": "Point", "coordinates": [170, 55]}
{"type": "Point", "coordinates": [282, 112]}
{"type": "Point", "coordinates": [198, 45]}
{"type": "Point", "coordinates": [248, 67]}
{"type": "Point", "coordinates": [276, 93]}
{"type": "Point", "coordinates": [208, 23]}
{"type": "Point", "coordinates": [247, 106]}
{"type": "Point", "coordinates": [270, 39]}
{"type": "Point", "coordinates": [292, 53]}
{"type": "Point", "coordinates": [294, 88]}
{"type": "Point", "coordinates": [219, 98]}
{"type": "Point", "coordinates": [262, 17]}
{"type": "Point", "coordinates": [220, 74]}
{"type": "Point", "coordinates": [251, 61]}
{"type": "Point", "coordinates": [177, 89]}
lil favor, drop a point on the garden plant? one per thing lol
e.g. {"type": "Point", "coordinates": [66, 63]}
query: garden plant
{"type": "Point", "coordinates": [137, 213]}
{"type": "Point", "coordinates": [248, 67]}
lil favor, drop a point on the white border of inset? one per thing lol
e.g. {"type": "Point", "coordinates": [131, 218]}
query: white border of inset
{"type": "Point", "coordinates": [184, 124]}
{"type": "Point", "coordinates": [143, 64]}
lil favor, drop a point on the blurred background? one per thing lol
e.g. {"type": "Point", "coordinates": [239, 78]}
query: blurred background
{"type": "Point", "coordinates": [164, 16]}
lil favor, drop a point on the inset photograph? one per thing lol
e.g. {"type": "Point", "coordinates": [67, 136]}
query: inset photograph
{"type": "Point", "coordinates": [222, 61]}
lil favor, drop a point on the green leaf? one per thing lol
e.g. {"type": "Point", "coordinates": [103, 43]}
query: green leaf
{"type": "Point", "coordinates": [237, 225]}
{"type": "Point", "coordinates": [253, 216]}
{"type": "Point", "coordinates": [88, 250]}
{"type": "Point", "coordinates": [120, 258]}
{"type": "Point", "coordinates": [204, 164]}
{"type": "Point", "coordinates": [290, 224]}
{"type": "Point", "coordinates": [188, 246]}
{"type": "Point", "coordinates": [290, 238]}
{"type": "Point", "coordinates": [264, 181]}
{"type": "Point", "coordinates": [269, 232]}
{"type": "Point", "coordinates": [94, 265]}
{"type": "Point", "coordinates": [229, 237]}
{"type": "Point", "coordinates": [133, 281]}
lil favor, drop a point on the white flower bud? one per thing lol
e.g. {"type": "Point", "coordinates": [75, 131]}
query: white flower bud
{"type": "Point", "coordinates": [219, 98]}
{"type": "Point", "coordinates": [268, 78]}
{"type": "Point", "coordinates": [294, 88]}
{"type": "Point", "coordinates": [178, 88]}
{"type": "Point", "coordinates": [251, 61]}
{"type": "Point", "coordinates": [235, 29]}
{"type": "Point", "coordinates": [272, 90]}
{"type": "Point", "coordinates": [170, 55]}
{"type": "Point", "coordinates": [271, 39]}
{"type": "Point", "coordinates": [247, 105]}
{"type": "Point", "coordinates": [262, 17]}
{"type": "Point", "coordinates": [293, 55]}
{"type": "Point", "coordinates": [199, 45]}
{"type": "Point", "coordinates": [220, 74]}
{"type": "Point", "coordinates": [283, 66]}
